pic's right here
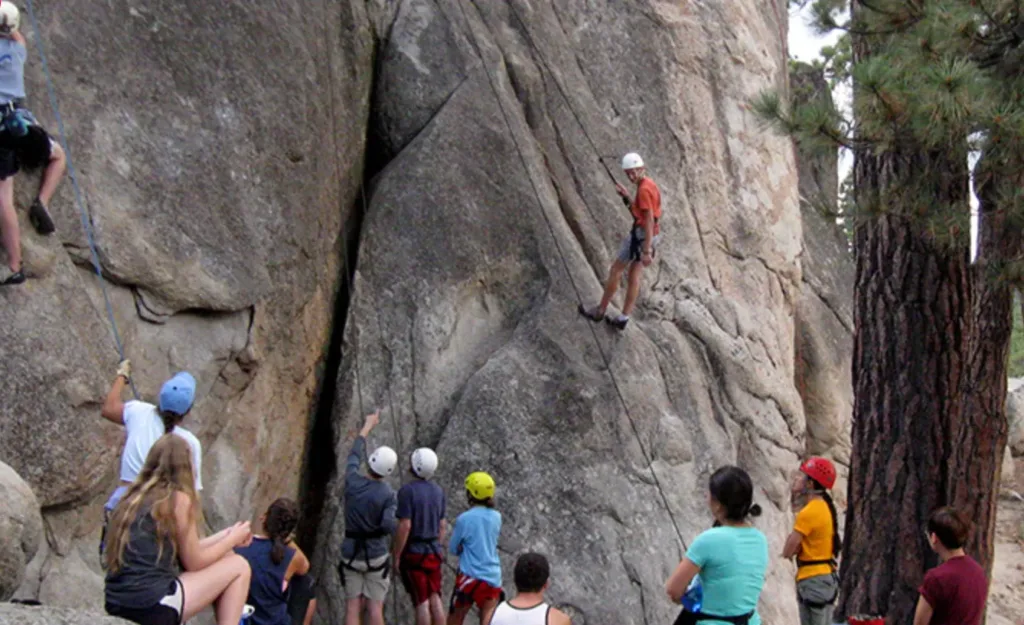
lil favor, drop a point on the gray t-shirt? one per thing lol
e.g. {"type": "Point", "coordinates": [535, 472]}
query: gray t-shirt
{"type": "Point", "coordinates": [12, 70]}
{"type": "Point", "coordinates": [369, 508]}
{"type": "Point", "coordinates": [422, 502]}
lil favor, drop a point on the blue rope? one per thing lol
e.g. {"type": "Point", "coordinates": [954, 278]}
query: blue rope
{"type": "Point", "coordinates": [86, 223]}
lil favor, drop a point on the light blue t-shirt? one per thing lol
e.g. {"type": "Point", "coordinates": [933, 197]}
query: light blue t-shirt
{"type": "Point", "coordinates": [475, 541]}
{"type": "Point", "coordinates": [12, 70]}
{"type": "Point", "coordinates": [733, 562]}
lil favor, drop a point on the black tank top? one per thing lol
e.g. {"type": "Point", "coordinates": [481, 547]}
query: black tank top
{"type": "Point", "coordinates": [147, 572]}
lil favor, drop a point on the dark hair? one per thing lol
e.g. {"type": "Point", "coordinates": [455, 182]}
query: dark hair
{"type": "Point", "coordinates": [473, 501]}
{"type": "Point", "coordinates": [170, 419]}
{"type": "Point", "coordinates": [531, 572]}
{"type": "Point", "coordinates": [837, 540]}
{"type": "Point", "coordinates": [731, 487]}
{"type": "Point", "coordinates": [952, 527]}
{"type": "Point", "coordinates": [282, 517]}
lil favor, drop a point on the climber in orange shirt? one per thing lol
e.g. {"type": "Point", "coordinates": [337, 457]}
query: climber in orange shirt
{"type": "Point", "coordinates": [637, 249]}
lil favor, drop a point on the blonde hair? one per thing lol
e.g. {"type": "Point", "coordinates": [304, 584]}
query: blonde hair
{"type": "Point", "coordinates": [168, 470]}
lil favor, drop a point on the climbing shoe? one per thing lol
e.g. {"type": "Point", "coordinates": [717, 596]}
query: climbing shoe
{"type": "Point", "coordinates": [593, 315]}
{"type": "Point", "coordinates": [619, 322]}
{"type": "Point", "coordinates": [40, 218]}
{"type": "Point", "coordinates": [8, 277]}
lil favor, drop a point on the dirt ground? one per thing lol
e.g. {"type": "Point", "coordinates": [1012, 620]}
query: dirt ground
{"type": "Point", "coordinates": [1006, 595]}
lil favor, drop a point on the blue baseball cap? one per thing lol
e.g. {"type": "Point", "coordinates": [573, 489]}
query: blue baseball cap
{"type": "Point", "coordinates": [178, 393]}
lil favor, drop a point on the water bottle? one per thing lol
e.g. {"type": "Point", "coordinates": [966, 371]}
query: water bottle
{"type": "Point", "coordinates": [246, 613]}
{"type": "Point", "coordinates": [694, 595]}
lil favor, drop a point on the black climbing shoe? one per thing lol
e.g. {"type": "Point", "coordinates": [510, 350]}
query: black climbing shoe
{"type": "Point", "coordinates": [40, 218]}
{"type": "Point", "coordinates": [617, 323]}
{"type": "Point", "coordinates": [592, 315]}
{"type": "Point", "coordinates": [8, 278]}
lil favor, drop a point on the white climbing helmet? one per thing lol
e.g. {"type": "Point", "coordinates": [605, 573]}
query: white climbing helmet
{"type": "Point", "coordinates": [424, 463]}
{"type": "Point", "coordinates": [632, 161]}
{"type": "Point", "coordinates": [383, 460]}
{"type": "Point", "coordinates": [10, 17]}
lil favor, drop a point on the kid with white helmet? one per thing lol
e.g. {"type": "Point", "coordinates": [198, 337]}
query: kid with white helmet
{"type": "Point", "coordinates": [369, 524]}
{"type": "Point", "coordinates": [637, 249]}
{"type": "Point", "coordinates": [475, 541]}
{"type": "Point", "coordinates": [421, 528]}
{"type": "Point", "coordinates": [23, 143]}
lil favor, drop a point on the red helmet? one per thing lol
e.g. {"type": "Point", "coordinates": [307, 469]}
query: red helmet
{"type": "Point", "coordinates": [821, 470]}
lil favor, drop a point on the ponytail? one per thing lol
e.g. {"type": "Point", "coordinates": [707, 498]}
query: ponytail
{"type": "Point", "coordinates": [170, 420]}
{"type": "Point", "coordinates": [282, 517]}
{"type": "Point", "coordinates": [837, 540]}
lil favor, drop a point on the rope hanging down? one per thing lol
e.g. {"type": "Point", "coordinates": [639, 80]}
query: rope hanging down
{"type": "Point", "coordinates": [565, 264]}
{"type": "Point", "coordinates": [86, 222]}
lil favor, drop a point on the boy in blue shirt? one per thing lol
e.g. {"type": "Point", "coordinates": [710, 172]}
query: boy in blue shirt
{"type": "Point", "coordinates": [475, 541]}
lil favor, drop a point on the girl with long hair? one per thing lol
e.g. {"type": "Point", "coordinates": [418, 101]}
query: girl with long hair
{"type": "Point", "coordinates": [815, 541]}
{"type": "Point", "coordinates": [159, 572]}
{"type": "Point", "coordinates": [731, 558]}
{"type": "Point", "coordinates": [279, 590]}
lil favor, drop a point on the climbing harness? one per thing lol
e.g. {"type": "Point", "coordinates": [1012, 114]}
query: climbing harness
{"type": "Point", "coordinates": [565, 263]}
{"type": "Point", "coordinates": [692, 618]}
{"type": "Point", "coordinates": [360, 539]}
{"type": "Point", "coordinates": [73, 174]}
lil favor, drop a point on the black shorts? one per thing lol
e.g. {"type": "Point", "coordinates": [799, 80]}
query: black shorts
{"type": "Point", "coordinates": [31, 151]}
{"type": "Point", "coordinates": [167, 612]}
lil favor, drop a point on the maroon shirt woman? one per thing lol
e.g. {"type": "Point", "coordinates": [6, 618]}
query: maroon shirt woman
{"type": "Point", "coordinates": [954, 592]}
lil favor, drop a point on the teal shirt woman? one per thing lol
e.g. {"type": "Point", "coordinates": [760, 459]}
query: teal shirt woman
{"type": "Point", "coordinates": [732, 559]}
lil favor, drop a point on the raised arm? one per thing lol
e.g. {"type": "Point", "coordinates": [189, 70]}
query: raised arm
{"type": "Point", "coordinates": [355, 457]}
{"type": "Point", "coordinates": [113, 406]}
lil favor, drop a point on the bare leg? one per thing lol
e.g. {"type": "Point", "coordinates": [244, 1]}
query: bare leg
{"type": "Point", "coordinates": [53, 174]}
{"type": "Point", "coordinates": [437, 615]}
{"type": "Point", "coordinates": [457, 615]}
{"type": "Point", "coordinates": [9, 224]}
{"type": "Point", "coordinates": [487, 611]}
{"type": "Point", "coordinates": [376, 609]}
{"type": "Point", "coordinates": [224, 583]}
{"type": "Point", "coordinates": [354, 610]}
{"type": "Point", "coordinates": [423, 613]}
{"type": "Point", "coordinates": [633, 290]}
{"type": "Point", "coordinates": [612, 285]}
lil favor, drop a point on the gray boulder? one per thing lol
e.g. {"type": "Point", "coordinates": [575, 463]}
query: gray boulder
{"type": "Point", "coordinates": [47, 615]}
{"type": "Point", "coordinates": [1015, 415]}
{"type": "Point", "coordinates": [21, 530]}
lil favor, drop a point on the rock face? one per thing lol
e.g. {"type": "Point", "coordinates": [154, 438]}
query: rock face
{"type": "Point", "coordinates": [21, 530]}
{"type": "Point", "coordinates": [36, 615]}
{"type": "Point", "coordinates": [222, 173]}
{"type": "Point", "coordinates": [1015, 414]}
{"type": "Point", "coordinates": [217, 171]}
{"type": "Point", "coordinates": [463, 324]}
{"type": "Point", "coordinates": [824, 312]}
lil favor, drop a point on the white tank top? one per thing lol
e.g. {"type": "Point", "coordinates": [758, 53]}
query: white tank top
{"type": "Point", "coordinates": [506, 614]}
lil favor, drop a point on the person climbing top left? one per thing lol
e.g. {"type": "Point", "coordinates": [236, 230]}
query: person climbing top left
{"type": "Point", "coordinates": [144, 423]}
{"type": "Point", "coordinates": [23, 143]}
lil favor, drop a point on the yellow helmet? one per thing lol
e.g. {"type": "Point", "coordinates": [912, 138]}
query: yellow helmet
{"type": "Point", "coordinates": [480, 486]}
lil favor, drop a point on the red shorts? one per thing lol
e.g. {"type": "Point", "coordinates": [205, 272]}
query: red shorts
{"type": "Point", "coordinates": [469, 591]}
{"type": "Point", "coordinates": [421, 575]}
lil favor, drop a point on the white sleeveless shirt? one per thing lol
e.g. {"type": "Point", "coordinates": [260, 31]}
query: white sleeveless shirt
{"type": "Point", "coordinates": [506, 614]}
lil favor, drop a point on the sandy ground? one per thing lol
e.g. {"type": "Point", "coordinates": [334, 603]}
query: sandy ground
{"type": "Point", "coordinates": [1006, 595]}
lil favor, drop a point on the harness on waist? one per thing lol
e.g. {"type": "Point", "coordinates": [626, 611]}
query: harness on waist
{"type": "Point", "coordinates": [360, 539]}
{"type": "Point", "coordinates": [691, 618]}
{"type": "Point", "coordinates": [802, 563]}
{"type": "Point", "coordinates": [423, 540]}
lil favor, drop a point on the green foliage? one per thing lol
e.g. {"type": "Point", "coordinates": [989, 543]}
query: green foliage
{"type": "Point", "coordinates": [931, 80]}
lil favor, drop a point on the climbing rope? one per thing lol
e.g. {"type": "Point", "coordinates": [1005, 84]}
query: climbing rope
{"type": "Point", "coordinates": [86, 222]}
{"type": "Point", "coordinates": [565, 264]}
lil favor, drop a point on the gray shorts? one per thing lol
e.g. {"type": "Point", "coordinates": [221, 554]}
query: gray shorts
{"type": "Point", "coordinates": [370, 584]}
{"type": "Point", "coordinates": [632, 246]}
{"type": "Point", "coordinates": [816, 596]}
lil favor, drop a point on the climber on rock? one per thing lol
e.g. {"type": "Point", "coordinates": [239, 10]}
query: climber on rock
{"type": "Point", "coordinates": [144, 423]}
{"type": "Point", "coordinates": [475, 540]}
{"type": "Point", "coordinates": [23, 143]}
{"type": "Point", "coordinates": [369, 523]}
{"type": "Point", "coordinates": [417, 551]}
{"type": "Point", "coordinates": [638, 248]}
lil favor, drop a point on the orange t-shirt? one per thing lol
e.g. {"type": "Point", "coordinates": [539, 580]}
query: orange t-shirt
{"type": "Point", "coordinates": [648, 197]}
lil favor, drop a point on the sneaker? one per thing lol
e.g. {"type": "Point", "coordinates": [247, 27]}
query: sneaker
{"type": "Point", "coordinates": [618, 322]}
{"type": "Point", "coordinates": [8, 277]}
{"type": "Point", "coordinates": [40, 218]}
{"type": "Point", "coordinates": [593, 315]}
